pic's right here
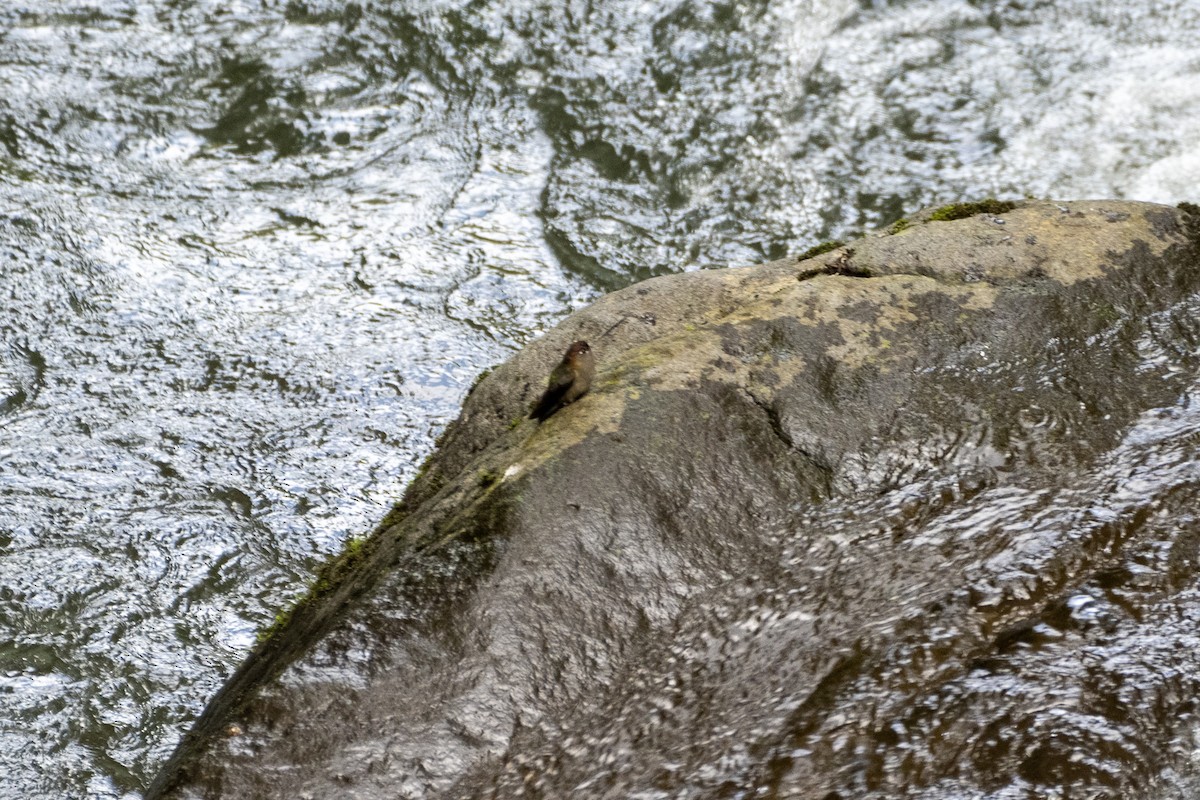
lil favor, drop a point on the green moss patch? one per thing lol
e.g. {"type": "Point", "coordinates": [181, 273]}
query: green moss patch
{"type": "Point", "coordinates": [964, 210]}
{"type": "Point", "coordinates": [330, 574]}
{"type": "Point", "coordinates": [823, 247]}
{"type": "Point", "coordinates": [281, 621]}
{"type": "Point", "coordinates": [479, 379]}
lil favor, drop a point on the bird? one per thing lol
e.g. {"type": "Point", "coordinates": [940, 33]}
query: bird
{"type": "Point", "coordinates": [569, 381]}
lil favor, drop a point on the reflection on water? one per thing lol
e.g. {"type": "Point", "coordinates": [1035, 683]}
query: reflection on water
{"type": "Point", "coordinates": [255, 253]}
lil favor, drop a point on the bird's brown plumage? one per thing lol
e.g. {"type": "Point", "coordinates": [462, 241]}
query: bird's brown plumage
{"type": "Point", "coordinates": [569, 381]}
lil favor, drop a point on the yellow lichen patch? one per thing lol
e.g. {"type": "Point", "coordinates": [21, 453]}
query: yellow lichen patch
{"type": "Point", "coordinates": [1086, 256]}
{"type": "Point", "coordinates": [597, 412]}
{"type": "Point", "coordinates": [674, 362]}
{"type": "Point", "coordinates": [856, 320]}
{"type": "Point", "coordinates": [868, 336]}
{"type": "Point", "coordinates": [1062, 242]}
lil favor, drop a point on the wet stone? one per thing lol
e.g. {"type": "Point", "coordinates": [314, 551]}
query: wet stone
{"type": "Point", "coordinates": [869, 537]}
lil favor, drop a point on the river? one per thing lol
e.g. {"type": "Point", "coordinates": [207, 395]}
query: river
{"type": "Point", "coordinates": [255, 253]}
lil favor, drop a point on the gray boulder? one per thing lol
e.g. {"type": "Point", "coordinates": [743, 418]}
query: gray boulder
{"type": "Point", "coordinates": [915, 517]}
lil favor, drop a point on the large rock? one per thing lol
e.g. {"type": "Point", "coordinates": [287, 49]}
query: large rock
{"type": "Point", "coordinates": [914, 517]}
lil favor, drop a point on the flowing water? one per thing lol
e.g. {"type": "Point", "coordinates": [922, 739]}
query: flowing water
{"type": "Point", "coordinates": [254, 254]}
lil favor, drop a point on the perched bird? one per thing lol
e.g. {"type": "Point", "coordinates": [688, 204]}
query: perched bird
{"type": "Point", "coordinates": [569, 381]}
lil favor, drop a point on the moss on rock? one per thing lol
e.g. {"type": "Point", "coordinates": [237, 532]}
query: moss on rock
{"type": "Point", "coordinates": [820, 249]}
{"type": "Point", "coordinates": [963, 210]}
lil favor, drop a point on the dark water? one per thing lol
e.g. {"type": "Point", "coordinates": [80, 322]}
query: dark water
{"type": "Point", "coordinates": [252, 254]}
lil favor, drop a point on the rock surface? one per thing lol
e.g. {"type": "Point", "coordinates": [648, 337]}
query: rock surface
{"type": "Point", "coordinates": [915, 517]}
